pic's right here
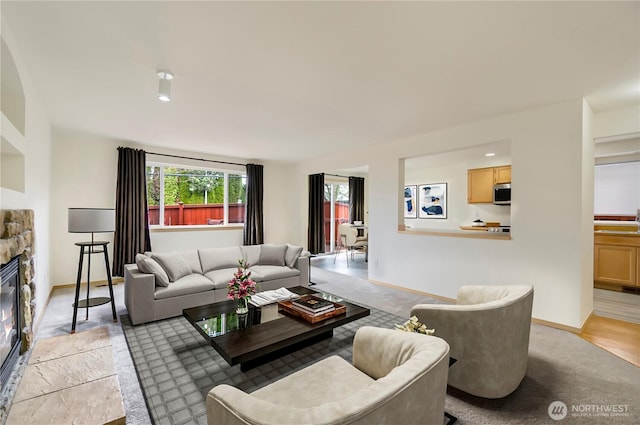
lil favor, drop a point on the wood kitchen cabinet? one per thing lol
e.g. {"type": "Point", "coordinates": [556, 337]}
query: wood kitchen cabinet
{"type": "Point", "coordinates": [616, 260]}
{"type": "Point", "coordinates": [480, 182]}
{"type": "Point", "coordinates": [502, 174]}
{"type": "Point", "coordinates": [480, 186]}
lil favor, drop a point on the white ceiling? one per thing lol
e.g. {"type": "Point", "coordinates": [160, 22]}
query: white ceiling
{"type": "Point", "coordinates": [470, 157]}
{"type": "Point", "coordinates": [293, 80]}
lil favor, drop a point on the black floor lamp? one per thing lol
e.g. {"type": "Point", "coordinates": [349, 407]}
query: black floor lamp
{"type": "Point", "coordinates": [92, 220]}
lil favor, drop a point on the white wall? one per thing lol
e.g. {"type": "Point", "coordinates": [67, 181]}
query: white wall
{"type": "Point", "coordinates": [179, 240]}
{"type": "Point", "coordinates": [84, 175]}
{"type": "Point", "coordinates": [281, 194]}
{"type": "Point", "coordinates": [35, 145]}
{"type": "Point", "coordinates": [616, 122]}
{"type": "Point", "coordinates": [586, 233]}
{"type": "Point", "coordinates": [546, 214]}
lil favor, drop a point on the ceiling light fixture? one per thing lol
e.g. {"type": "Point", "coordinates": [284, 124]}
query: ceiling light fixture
{"type": "Point", "coordinates": [164, 89]}
{"type": "Point", "coordinates": [490, 154]}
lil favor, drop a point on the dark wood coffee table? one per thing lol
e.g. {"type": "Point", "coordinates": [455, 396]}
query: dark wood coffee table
{"type": "Point", "coordinates": [263, 334]}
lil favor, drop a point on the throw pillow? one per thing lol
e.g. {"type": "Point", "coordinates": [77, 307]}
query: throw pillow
{"type": "Point", "coordinates": [174, 264]}
{"type": "Point", "coordinates": [141, 265]}
{"type": "Point", "coordinates": [293, 252]}
{"type": "Point", "coordinates": [161, 276]}
{"type": "Point", "coordinates": [251, 254]}
{"type": "Point", "coordinates": [193, 259]}
{"type": "Point", "coordinates": [219, 258]}
{"type": "Point", "coordinates": [272, 255]}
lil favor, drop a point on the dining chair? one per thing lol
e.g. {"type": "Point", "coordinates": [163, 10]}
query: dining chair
{"type": "Point", "coordinates": [348, 239]}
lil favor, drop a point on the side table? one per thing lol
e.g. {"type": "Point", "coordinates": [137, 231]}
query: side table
{"type": "Point", "coordinates": [88, 248]}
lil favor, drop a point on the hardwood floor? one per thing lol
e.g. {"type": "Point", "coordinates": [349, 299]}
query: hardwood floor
{"type": "Point", "coordinates": [616, 336]}
{"type": "Point", "coordinates": [619, 337]}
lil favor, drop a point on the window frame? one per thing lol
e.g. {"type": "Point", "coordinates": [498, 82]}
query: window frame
{"type": "Point", "coordinates": [161, 205]}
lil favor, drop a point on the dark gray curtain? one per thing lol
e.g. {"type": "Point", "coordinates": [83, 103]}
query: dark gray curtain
{"type": "Point", "coordinates": [315, 238]}
{"type": "Point", "coordinates": [253, 221]}
{"type": "Point", "coordinates": [132, 221]}
{"type": "Point", "coordinates": [356, 199]}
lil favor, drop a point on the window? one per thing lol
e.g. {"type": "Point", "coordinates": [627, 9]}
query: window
{"type": "Point", "coordinates": [617, 189]}
{"type": "Point", "coordinates": [178, 195]}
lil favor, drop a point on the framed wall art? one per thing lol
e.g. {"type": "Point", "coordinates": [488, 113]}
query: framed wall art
{"type": "Point", "coordinates": [410, 202]}
{"type": "Point", "coordinates": [432, 200]}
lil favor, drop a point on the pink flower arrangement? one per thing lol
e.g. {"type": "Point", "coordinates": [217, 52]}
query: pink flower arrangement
{"type": "Point", "coordinates": [241, 286]}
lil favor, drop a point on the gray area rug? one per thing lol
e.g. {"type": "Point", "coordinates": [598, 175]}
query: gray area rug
{"type": "Point", "coordinates": [177, 368]}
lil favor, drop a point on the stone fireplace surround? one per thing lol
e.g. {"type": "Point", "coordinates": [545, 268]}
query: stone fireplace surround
{"type": "Point", "coordinates": [17, 239]}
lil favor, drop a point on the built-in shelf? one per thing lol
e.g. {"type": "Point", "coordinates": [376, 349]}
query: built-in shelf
{"type": "Point", "coordinates": [12, 174]}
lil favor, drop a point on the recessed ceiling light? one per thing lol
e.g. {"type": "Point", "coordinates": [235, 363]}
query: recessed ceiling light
{"type": "Point", "coordinates": [490, 154]}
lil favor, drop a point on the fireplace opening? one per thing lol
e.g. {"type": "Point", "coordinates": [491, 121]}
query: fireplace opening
{"type": "Point", "coordinates": [10, 329]}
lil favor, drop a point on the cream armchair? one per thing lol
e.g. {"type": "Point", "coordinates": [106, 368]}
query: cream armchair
{"type": "Point", "coordinates": [396, 378]}
{"type": "Point", "coordinates": [488, 331]}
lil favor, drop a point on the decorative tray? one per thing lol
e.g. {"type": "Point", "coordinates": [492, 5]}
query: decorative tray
{"type": "Point", "coordinates": [286, 306]}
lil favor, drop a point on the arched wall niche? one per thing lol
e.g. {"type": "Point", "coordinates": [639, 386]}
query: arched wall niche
{"type": "Point", "coordinates": [13, 106]}
{"type": "Point", "coordinates": [11, 91]}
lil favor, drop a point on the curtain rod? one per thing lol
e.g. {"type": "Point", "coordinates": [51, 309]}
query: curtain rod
{"type": "Point", "coordinates": [336, 175]}
{"type": "Point", "coordinates": [195, 159]}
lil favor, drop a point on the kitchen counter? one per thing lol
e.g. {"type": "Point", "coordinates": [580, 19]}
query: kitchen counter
{"type": "Point", "coordinates": [614, 223]}
{"type": "Point", "coordinates": [459, 233]}
{"type": "Point", "coordinates": [477, 228]}
{"type": "Point", "coordinates": [617, 232]}
{"type": "Point", "coordinates": [616, 227]}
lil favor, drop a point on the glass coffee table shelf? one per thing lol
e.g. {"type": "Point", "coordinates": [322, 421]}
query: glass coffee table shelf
{"type": "Point", "coordinates": [263, 333]}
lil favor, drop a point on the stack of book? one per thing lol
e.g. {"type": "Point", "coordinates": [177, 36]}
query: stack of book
{"type": "Point", "coordinates": [312, 305]}
{"type": "Point", "coordinates": [269, 297]}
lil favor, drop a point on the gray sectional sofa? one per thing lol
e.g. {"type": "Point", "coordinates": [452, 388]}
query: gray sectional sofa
{"type": "Point", "coordinates": [161, 285]}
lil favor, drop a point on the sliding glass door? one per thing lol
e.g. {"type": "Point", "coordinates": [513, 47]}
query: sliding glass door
{"type": "Point", "coordinates": [336, 211]}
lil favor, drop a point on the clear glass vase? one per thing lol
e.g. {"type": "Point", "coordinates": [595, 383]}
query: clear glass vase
{"type": "Point", "coordinates": [242, 307]}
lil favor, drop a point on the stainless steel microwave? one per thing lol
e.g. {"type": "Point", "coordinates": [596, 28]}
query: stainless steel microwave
{"type": "Point", "coordinates": [502, 194]}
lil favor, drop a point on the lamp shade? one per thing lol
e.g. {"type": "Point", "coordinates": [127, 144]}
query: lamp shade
{"type": "Point", "coordinates": [92, 220]}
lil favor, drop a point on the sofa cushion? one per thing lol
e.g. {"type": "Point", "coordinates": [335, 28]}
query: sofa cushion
{"type": "Point", "coordinates": [192, 257]}
{"type": "Point", "coordinates": [149, 265]}
{"type": "Point", "coordinates": [219, 258]}
{"type": "Point", "coordinates": [262, 273]}
{"type": "Point", "coordinates": [339, 380]}
{"type": "Point", "coordinates": [293, 252]}
{"type": "Point", "coordinates": [221, 277]}
{"type": "Point", "coordinates": [251, 254]}
{"type": "Point", "coordinates": [174, 264]}
{"type": "Point", "coordinates": [191, 284]}
{"type": "Point", "coordinates": [272, 255]}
